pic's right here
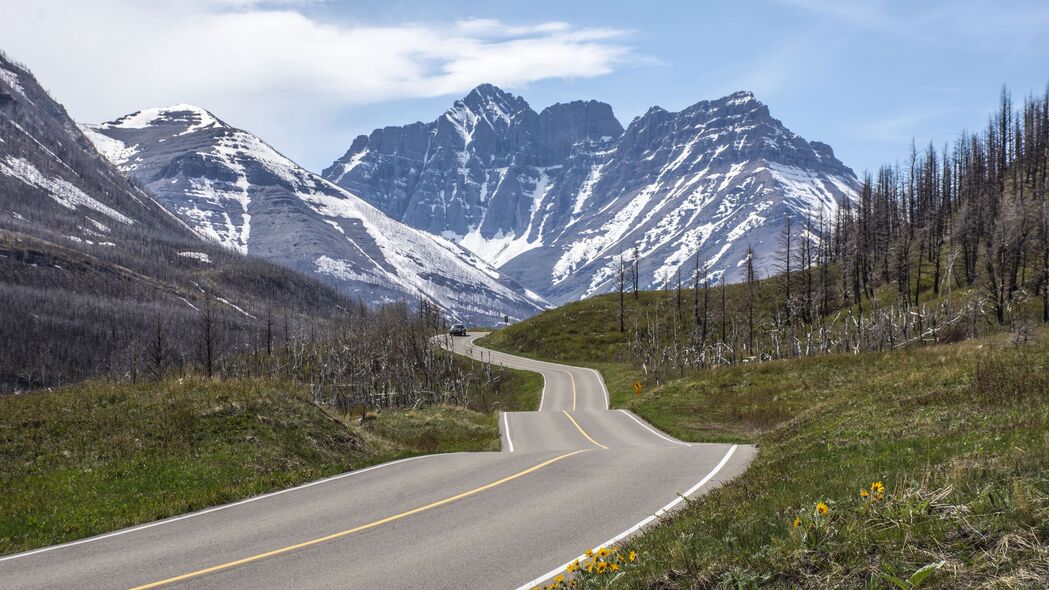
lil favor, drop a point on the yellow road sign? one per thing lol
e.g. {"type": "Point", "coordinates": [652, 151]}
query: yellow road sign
{"type": "Point", "coordinates": [637, 388]}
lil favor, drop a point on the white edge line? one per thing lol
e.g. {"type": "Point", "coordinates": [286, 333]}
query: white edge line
{"type": "Point", "coordinates": [215, 508]}
{"type": "Point", "coordinates": [547, 366]}
{"type": "Point", "coordinates": [542, 394]}
{"type": "Point", "coordinates": [506, 430]}
{"type": "Point", "coordinates": [654, 431]}
{"type": "Point", "coordinates": [638, 526]}
{"type": "Point", "coordinates": [539, 367]}
{"type": "Point", "coordinates": [601, 380]}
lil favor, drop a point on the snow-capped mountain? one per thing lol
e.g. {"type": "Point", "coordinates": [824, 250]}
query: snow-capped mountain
{"type": "Point", "coordinates": [480, 173]}
{"type": "Point", "coordinates": [91, 263]}
{"type": "Point", "coordinates": [52, 182]}
{"type": "Point", "coordinates": [552, 199]}
{"type": "Point", "coordinates": [235, 189]}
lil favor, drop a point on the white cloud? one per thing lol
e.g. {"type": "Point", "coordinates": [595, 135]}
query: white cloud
{"type": "Point", "coordinates": [252, 60]}
{"type": "Point", "coordinates": [492, 27]}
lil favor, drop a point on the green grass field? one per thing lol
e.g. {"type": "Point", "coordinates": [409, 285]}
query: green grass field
{"type": "Point", "coordinates": [95, 457]}
{"type": "Point", "coordinates": [958, 434]}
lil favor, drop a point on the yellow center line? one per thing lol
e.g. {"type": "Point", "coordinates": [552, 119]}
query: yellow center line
{"type": "Point", "coordinates": [583, 432]}
{"type": "Point", "coordinates": [358, 529]}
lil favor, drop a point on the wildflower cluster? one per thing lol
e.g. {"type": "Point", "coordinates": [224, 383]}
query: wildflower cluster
{"type": "Point", "coordinates": [815, 527]}
{"type": "Point", "coordinates": [597, 563]}
{"type": "Point", "coordinates": [822, 510]}
{"type": "Point", "coordinates": [813, 518]}
{"type": "Point", "coordinates": [877, 493]}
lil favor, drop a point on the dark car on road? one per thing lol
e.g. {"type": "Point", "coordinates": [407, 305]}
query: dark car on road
{"type": "Point", "coordinates": [457, 330]}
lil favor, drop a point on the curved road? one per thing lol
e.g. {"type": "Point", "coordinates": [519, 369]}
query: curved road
{"type": "Point", "coordinates": [572, 475]}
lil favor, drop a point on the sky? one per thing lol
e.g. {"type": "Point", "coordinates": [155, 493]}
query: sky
{"type": "Point", "coordinates": [866, 77]}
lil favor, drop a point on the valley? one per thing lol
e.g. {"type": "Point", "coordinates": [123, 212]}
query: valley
{"type": "Point", "coordinates": [578, 340]}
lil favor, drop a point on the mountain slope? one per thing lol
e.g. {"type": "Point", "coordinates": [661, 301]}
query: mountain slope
{"type": "Point", "coordinates": [710, 180]}
{"type": "Point", "coordinates": [238, 191]}
{"type": "Point", "coordinates": [551, 199]}
{"type": "Point", "coordinates": [91, 267]}
{"type": "Point", "coordinates": [480, 173]}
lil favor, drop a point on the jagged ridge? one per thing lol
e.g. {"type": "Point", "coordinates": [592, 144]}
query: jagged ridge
{"type": "Point", "coordinates": [552, 198]}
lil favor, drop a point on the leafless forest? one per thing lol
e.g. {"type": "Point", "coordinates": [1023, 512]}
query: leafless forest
{"type": "Point", "coordinates": [951, 244]}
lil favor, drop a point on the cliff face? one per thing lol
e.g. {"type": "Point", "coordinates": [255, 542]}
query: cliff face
{"type": "Point", "coordinates": [479, 168]}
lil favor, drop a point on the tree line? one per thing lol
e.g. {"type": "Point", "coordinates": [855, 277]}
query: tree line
{"type": "Point", "coordinates": [364, 358]}
{"type": "Point", "coordinates": [949, 244]}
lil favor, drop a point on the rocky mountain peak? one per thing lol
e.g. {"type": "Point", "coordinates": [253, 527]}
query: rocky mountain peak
{"type": "Point", "coordinates": [491, 94]}
{"type": "Point", "coordinates": [551, 199]}
{"type": "Point", "coordinates": [740, 97]}
{"type": "Point", "coordinates": [733, 107]}
{"type": "Point", "coordinates": [185, 118]}
{"type": "Point", "coordinates": [490, 104]}
{"type": "Point", "coordinates": [563, 125]}
{"type": "Point", "coordinates": [737, 128]}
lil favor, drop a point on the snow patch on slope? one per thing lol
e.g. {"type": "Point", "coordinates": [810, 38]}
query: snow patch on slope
{"type": "Point", "coordinates": [198, 118]}
{"type": "Point", "coordinates": [112, 149]}
{"type": "Point", "coordinates": [498, 249]}
{"type": "Point", "coordinates": [589, 248]}
{"type": "Point", "coordinates": [587, 189]}
{"type": "Point", "coordinates": [11, 79]}
{"type": "Point", "coordinates": [419, 266]}
{"type": "Point", "coordinates": [353, 163]}
{"type": "Point", "coordinates": [64, 193]}
{"type": "Point", "coordinates": [198, 256]}
{"type": "Point", "coordinates": [803, 188]}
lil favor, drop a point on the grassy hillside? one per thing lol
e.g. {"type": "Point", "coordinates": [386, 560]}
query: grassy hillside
{"type": "Point", "coordinates": [957, 433]}
{"type": "Point", "coordinates": [584, 331]}
{"type": "Point", "coordinates": [587, 331]}
{"type": "Point", "coordinates": [95, 457]}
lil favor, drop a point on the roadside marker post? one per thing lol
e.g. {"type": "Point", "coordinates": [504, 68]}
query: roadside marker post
{"type": "Point", "coordinates": [637, 388]}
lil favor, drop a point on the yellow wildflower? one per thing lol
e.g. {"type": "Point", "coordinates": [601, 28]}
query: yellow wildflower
{"type": "Point", "coordinates": [878, 488]}
{"type": "Point", "coordinates": [632, 556]}
{"type": "Point", "coordinates": [602, 552]}
{"type": "Point", "coordinates": [864, 493]}
{"type": "Point", "coordinates": [601, 567]}
{"type": "Point", "coordinates": [797, 521]}
{"type": "Point", "coordinates": [574, 566]}
{"type": "Point", "coordinates": [614, 567]}
{"type": "Point", "coordinates": [589, 553]}
{"type": "Point", "coordinates": [822, 509]}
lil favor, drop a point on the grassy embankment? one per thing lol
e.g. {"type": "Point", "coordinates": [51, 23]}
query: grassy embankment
{"type": "Point", "coordinates": [95, 457]}
{"type": "Point", "coordinates": [958, 434]}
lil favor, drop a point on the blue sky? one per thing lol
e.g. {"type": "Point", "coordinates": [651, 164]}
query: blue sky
{"type": "Point", "coordinates": [309, 75]}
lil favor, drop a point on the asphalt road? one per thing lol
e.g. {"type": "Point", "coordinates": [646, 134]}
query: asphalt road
{"type": "Point", "coordinates": [571, 476]}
